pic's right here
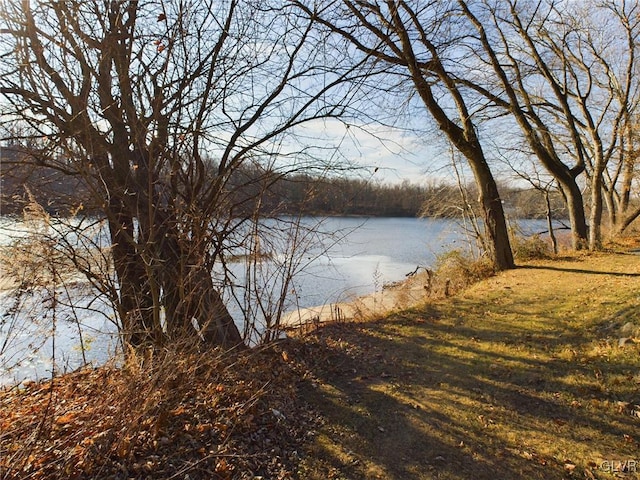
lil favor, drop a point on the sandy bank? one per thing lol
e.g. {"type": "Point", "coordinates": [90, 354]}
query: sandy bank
{"type": "Point", "coordinates": [395, 297]}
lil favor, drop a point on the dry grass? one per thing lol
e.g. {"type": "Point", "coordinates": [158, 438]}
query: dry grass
{"type": "Point", "coordinates": [531, 248]}
{"type": "Point", "coordinates": [185, 415]}
{"type": "Point", "coordinates": [521, 376]}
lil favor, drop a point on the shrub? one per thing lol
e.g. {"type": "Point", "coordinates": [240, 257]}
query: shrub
{"type": "Point", "coordinates": [456, 270]}
{"type": "Point", "coordinates": [530, 248]}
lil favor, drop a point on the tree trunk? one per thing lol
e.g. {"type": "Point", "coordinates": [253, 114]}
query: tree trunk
{"type": "Point", "coordinates": [214, 320]}
{"type": "Point", "coordinates": [494, 218]}
{"type": "Point", "coordinates": [575, 207]}
{"type": "Point", "coordinates": [193, 305]}
{"type": "Point", "coordinates": [595, 217]}
{"type": "Point", "coordinates": [195, 309]}
{"type": "Point", "coordinates": [610, 203]}
{"type": "Point", "coordinates": [135, 300]}
{"type": "Point", "coordinates": [552, 235]}
{"type": "Point", "coordinates": [623, 223]}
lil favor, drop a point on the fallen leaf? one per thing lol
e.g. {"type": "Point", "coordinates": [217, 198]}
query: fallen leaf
{"type": "Point", "coordinates": [203, 427]}
{"type": "Point", "coordinates": [222, 469]}
{"type": "Point", "coordinates": [65, 419]}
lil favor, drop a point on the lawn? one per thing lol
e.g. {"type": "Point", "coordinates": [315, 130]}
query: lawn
{"type": "Point", "coordinates": [529, 374]}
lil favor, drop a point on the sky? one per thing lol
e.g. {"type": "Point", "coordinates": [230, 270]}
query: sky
{"type": "Point", "coordinates": [389, 155]}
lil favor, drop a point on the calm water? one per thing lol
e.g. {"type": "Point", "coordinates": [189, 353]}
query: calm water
{"type": "Point", "coordinates": [372, 253]}
{"type": "Point", "coordinates": [355, 256]}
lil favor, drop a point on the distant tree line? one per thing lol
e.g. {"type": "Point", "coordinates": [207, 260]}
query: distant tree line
{"type": "Point", "coordinates": [24, 179]}
{"type": "Point", "coordinates": [345, 196]}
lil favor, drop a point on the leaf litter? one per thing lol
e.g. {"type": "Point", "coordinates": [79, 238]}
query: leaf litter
{"type": "Point", "coordinates": [187, 416]}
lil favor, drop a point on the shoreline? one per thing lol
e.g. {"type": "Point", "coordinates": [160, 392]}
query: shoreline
{"type": "Point", "coordinates": [398, 296]}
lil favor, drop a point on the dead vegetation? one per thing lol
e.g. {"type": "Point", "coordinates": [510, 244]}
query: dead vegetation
{"type": "Point", "coordinates": [523, 375]}
{"type": "Point", "coordinates": [180, 416]}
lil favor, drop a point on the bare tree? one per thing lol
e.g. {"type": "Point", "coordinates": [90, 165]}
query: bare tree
{"type": "Point", "coordinates": [156, 106]}
{"type": "Point", "coordinates": [508, 89]}
{"type": "Point", "coordinates": [621, 173]}
{"type": "Point", "coordinates": [595, 46]}
{"type": "Point", "coordinates": [419, 40]}
{"type": "Point", "coordinates": [566, 74]}
{"type": "Point", "coordinates": [622, 178]}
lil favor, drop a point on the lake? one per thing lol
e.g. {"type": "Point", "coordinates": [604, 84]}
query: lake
{"type": "Point", "coordinates": [354, 256]}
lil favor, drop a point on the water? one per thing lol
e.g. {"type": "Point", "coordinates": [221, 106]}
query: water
{"type": "Point", "coordinates": [374, 252]}
{"type": "Point", "coordinates": [78, 331]}
{"type": "Point", "coordinates": [353, 256]}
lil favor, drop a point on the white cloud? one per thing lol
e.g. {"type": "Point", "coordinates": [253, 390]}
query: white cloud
{"type": "Point", "coordinates": [397, 154]}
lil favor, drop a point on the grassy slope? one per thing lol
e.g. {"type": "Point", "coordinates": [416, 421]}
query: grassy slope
{"type": "Point", "coordinates": [519, 377]}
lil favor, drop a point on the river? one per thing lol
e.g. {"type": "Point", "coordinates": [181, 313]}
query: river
{"type": "Point", "coordinates": [355, 256]}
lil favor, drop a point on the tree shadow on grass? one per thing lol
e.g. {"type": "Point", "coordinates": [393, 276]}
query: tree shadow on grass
{"type": "Point", "coordinates": [579, 270]}
{"type": "Point", "coordinates": [416, 397]}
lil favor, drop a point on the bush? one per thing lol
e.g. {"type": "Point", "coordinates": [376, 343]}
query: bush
{"type": "Point", "coordinates": [530, 248]}
{"type": "Point", "coordinates": [456, 270]}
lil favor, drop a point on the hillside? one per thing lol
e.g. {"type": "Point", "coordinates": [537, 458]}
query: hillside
{"type": "Point", "coordinates": [533, 373]}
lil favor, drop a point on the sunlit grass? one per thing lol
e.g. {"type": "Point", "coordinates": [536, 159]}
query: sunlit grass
{"type": "Point", "coordinates": [521, 376]}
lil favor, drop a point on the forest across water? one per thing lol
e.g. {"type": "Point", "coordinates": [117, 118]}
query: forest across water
{"type": "Point", "coordinates": [285, 194]}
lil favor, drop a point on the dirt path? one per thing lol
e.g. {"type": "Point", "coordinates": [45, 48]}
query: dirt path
{"type": "Point", "coordinates": [523, 376]}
